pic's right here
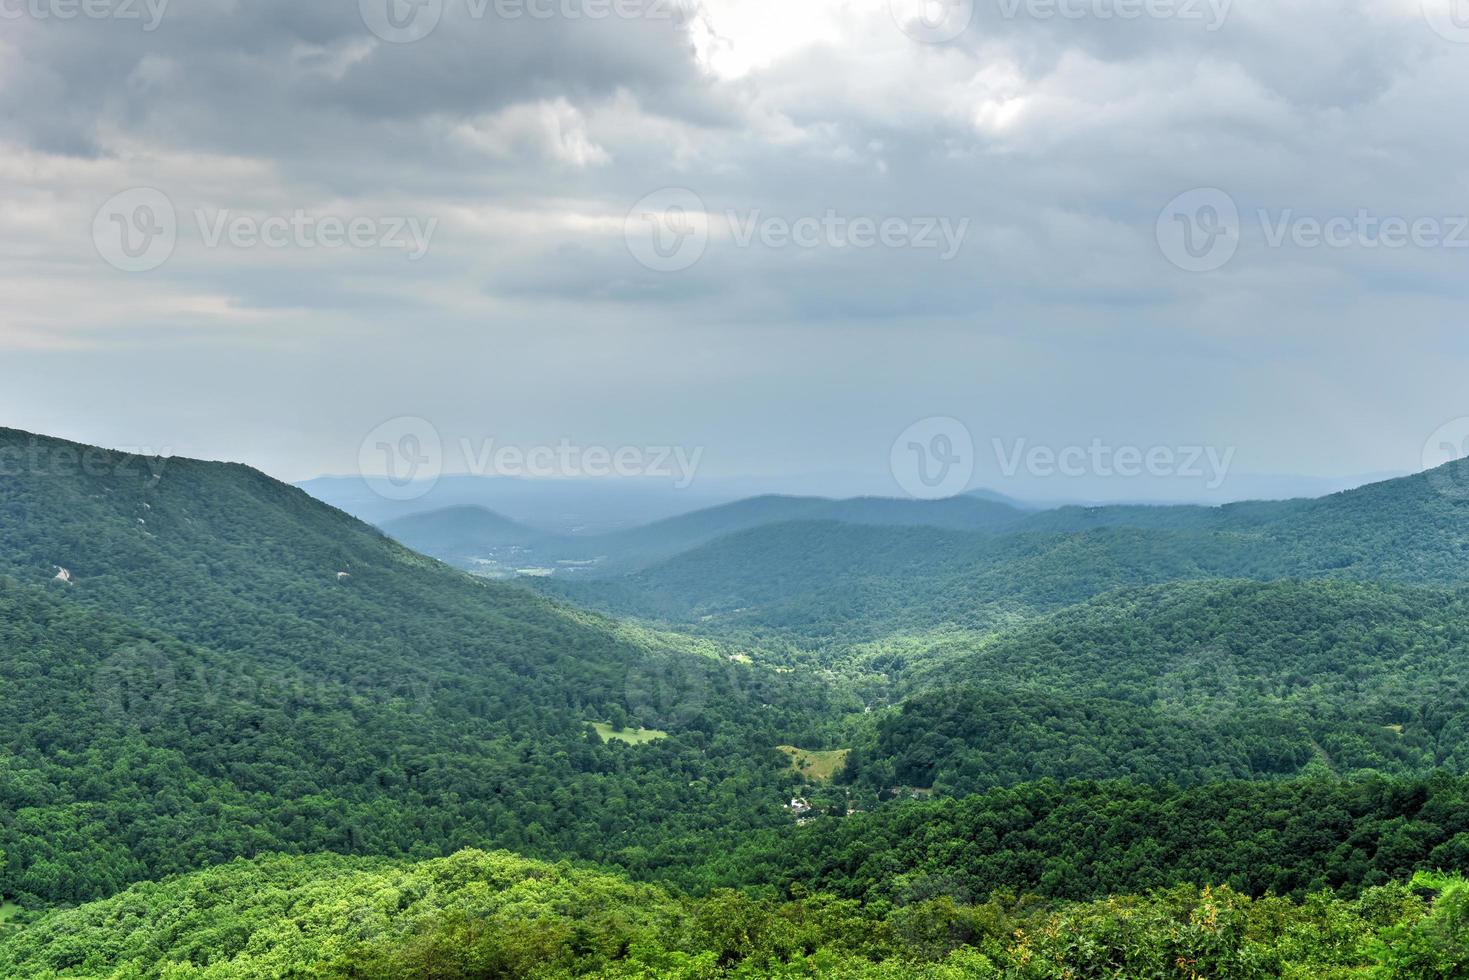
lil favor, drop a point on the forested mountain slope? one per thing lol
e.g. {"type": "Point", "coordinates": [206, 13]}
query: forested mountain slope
{"type": "Point", "coordinates": [824, 581]}
{"type": "Point", "coordinates": [1410, 529]}
{"type": "Point", "coordinates": [1195, 644]}
{"type": "Point", "coordinates": [1192, 682]}
{"type": "Point", "coordinates": [847, 582]}
{"type": "Point", "coordinates": [1081, 840]}
{"type": "Point", "coordinates": [230, 667]}
{"type": "Point", "coordinates": [221, 554]}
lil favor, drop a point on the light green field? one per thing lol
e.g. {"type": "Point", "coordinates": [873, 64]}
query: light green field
{"type": "Point", "coordinates": [8, 911]}
{"type": "Point", "coordinates": [632, 736]}
{"type": "Point", "coordinates": [817, 766]}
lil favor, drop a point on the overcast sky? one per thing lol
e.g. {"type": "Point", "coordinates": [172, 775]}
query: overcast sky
{"type": "Point", "coordinates": [778, 232]}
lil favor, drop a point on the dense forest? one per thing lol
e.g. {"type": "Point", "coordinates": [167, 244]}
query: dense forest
{"type": "Point", "coordinates": [243, 734]}
{"type": "Point", "coordinates": [1191, 682]}
{"type": "Point", "coordinates": [232, 668]}
{"type": "Point", "coordinates": [477, 914]}
{"type": "Point", "coordinates": [1084, 840]}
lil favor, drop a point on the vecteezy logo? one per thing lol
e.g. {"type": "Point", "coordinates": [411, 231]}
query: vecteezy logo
{"type": "Point", "coordinates": [933, 458]}
{"type": "Point", "coordinates": [932, 21]}
{"type": "Point", "coordinates": [1448, 18]}
{"type": "Point", "coordinates": [136, 231]}
{"type": "Point", "coordinates": [1199, 230]}
{"type": "Point", "coordinates": [670, 692]}
{"type": "Point", "coordinates": [668, 230]}
{"type": "Point", "coordinates": [1202, 684]}
{"type": "Point", "coordinates": [402, 459]}
{"type": "Point", "coordinates": [401, 21]}
{"type": "Point", "coordinates": [1448, 444]}
{"type": "Point", "coordinates": [136, 686]}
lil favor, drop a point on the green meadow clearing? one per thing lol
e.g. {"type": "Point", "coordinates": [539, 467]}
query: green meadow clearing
{"type": "Point", "coordinates": [632, 736]}
{"type": "Point", "coordinates": [816, 765]}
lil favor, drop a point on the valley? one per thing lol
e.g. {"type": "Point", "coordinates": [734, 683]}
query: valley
{"type": "Point", "coordinates": [733, 490]}
{"type": "Point", "coordinates": [969, 713]}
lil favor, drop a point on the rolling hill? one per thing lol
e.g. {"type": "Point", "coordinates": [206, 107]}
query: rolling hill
{"type": "Point", "coordinates": [477, 914]}
{"type": "Point", "coordinates": [825, 582]}
{"type": "Point", "coordinates": [1192, 682]}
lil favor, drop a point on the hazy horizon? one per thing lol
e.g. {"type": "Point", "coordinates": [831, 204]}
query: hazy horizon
{"type": "Point", "coordinates": [1010, 474]}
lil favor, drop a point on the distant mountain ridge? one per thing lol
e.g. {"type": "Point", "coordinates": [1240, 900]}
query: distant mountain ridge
{"type": "Point", "coordinates": [477, 539]}
{"type": "Point", "coordinates": [827, 580]}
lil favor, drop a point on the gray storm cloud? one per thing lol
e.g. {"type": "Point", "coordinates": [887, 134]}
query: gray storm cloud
{"type": "Point", "coordinates": [1055, 135]}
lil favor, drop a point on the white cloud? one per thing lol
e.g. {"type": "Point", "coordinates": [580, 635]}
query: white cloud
{"type": "Point", "coordinates": [554, 131]}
